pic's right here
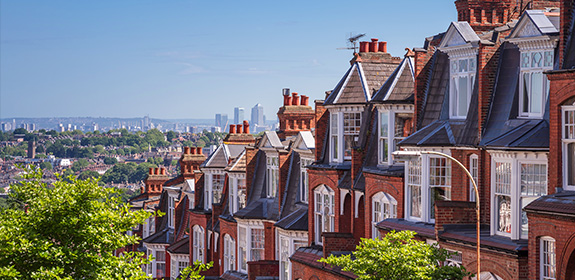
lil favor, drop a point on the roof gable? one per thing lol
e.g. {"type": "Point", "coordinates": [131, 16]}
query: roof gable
{"type": "Point", "coordinates": [400, 85]}
{"type": "Point", "coordinates": [533, 23]}
{"type": "Point", "coordinates": [304, 141]}
{"type": "Point", "coordinates": [270, 139]}
{"type": "Point", "coordinates": [459, 34]}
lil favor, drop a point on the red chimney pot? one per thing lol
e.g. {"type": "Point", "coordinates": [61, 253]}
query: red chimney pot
{"type": "Point", "coordinates": [192, 150]}
{"type": "Point", "coordinates": [246, 127]}
{"type": "Point", "coordinates": [383, 47]}
{"type": "Point", "coordinates": [151, 171]}
{"type": "Point", "coordinates": [239, 128]}
{"type": "Point", "coordinates": [295, 99]}
{"type": "Point", "coordinates": [199, 150]}
{"type": "Point", "coordinates": [373, 45]}
{"type": "Point", "coordinates": [232, 129]}
{"type": "Point", "coordinates": [186, 150]}
{"type": "Point", "coordinates": [364, 46]}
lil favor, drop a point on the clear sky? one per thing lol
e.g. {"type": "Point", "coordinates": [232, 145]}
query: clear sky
{"type": "Point", "coordinates": [186, 58]}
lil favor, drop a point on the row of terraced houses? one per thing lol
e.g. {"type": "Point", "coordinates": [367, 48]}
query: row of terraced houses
{"type": "Point", "coordinates": [496, 91]}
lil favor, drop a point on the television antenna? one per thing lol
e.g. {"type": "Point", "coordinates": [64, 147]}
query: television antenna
{"type": "Point", "coordinates": [352, 42]}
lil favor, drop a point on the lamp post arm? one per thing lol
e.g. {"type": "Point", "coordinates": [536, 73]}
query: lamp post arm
{"type": "Point", "coordinates": [477, 209]}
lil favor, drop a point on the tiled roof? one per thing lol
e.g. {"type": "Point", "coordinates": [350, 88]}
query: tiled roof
{"type": "Point", "coordinates": [180, 247]}
{"type": "Point", "coordinates": [296, 220]}
{"type": "Point", "coordinates": [399, 86]}
{"type": "Point", "coordinates": [423, 229]}
{"type": "Point", "coordinates": [234, 275]}
{"type": "Point", "coordinates": [437, 89]}
{"type": "Point", "coordinates": [562, 203]}
{"type": "Point", "coordinates": [467, 234]}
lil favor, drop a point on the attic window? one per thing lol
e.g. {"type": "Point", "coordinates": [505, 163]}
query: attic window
{"type": "Point", "coordinates": [462, 80]}
{"type": "Point", "coordinates": [345, 125]}
{"type": "Point", "coordinates": [533, 84]}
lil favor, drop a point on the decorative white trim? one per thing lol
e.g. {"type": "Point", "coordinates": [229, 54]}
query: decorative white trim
{"type": "Point", "coordinates": [358, 196]}
{"type": "Point", "coordinates": [342, 193]}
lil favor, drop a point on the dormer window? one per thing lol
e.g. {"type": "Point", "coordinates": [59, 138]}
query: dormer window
{"type": "Point", "coordinates": [272, 176]}
{"type": "Point", "coordinates": [237, 192]}
{"type": "Point", "coordinates": [568, 139]}
{"type": "Point", "coordinates": [345, 124]}
{"type": "Point", "coordinates": [171, 211]}
{"type": "Point", "coordinates": [394, 125]}
{"type": "Point", "coordinates": [462, 75]}
{"type": "Point", "coordinates": [533, 84]}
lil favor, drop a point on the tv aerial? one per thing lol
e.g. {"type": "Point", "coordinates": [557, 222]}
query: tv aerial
{"type": "Point", "coordinates": [352, 42]}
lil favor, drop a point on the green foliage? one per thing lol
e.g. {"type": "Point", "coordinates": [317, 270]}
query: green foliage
{"type": "Point", "coordinates": [67, 230]}
{"type": "Point", "coordinates": [127, 172]}
{"type": "Point", "coordinates": [155, 138]}
{"type": "Point", "coordinates": [45, 165]}
{"type": "Point", "coordinates": [85, 175]}
{"type": "Point", "coordinates": [110, 160]}
{"type": "Point", "coordinates": [193, 272]}
{"type": "Point", "coordinates": [397, 256]}
{"type": "Point", "coordinates": [156, 160]}
{"type": "Point", "coordinates": [80, 164]}
{"type": "Point", "coordinates": [171, 135]}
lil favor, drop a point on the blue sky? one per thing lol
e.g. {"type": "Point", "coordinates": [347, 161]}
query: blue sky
{"type": "Point", "coordinates": [189, 59]}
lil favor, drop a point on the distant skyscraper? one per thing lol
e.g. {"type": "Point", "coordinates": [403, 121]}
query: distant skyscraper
{"type": "Point", "coordinates": [146, 123]}
{"type": "Point", "coordinates": [238, 115]}
{"type": "Point", "coordinates": [258, 114]}
{"type": "Point", "coordinates": [222, 121]}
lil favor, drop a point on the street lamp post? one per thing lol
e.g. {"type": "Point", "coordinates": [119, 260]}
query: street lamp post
{"type": "Point", "coordinates": [406, 155]}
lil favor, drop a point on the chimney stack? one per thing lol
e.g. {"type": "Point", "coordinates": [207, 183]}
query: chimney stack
{"type": "Point", "coordinates": [295, 99]}
{"type": "Point", "coordinates": [246, 127]}
{"type": "Point", "coordinates": [199, 150]}
{"type": "Point", "coordinates": [232, 128]}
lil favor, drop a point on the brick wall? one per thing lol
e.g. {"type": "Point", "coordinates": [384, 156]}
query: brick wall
{"type": "Point", "coordinates": [562, 88]}
{"type": "Point", "coordinates": [318, 177]}
{"type": "Point", "coordinates": [270, 241]}
{"type": "Point", "coordinates": [378, 183]}
{"type": "Point", "coordinates": [338, 242]}
{"type": "Point", "coordinates": [454, 212]}
{"type": "Point", "coordinates": [231, 229]}
{"type": "Point", "coordinates": [321, 126]}
{"type": "Point", "coordinates": [263, 268]}
{"type": "Point", "coordinates": [320, 272]}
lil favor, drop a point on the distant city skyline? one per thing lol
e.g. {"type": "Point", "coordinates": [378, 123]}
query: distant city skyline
{"type": "Point", "coordinates": [187, 59]}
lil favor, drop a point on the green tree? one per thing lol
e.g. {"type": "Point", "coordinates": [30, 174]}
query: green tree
{"type": "Point", "coordinates": [110, 160]}
{"type": "Point", "coordinates": [193, 272]}
{"type": "Point", "coordinates": [397, 256]}
{"type": "Point", "coordinates": [67, 230]}
{"type": "Point", "coordinates": [80, 164]}
{"type": "Point", "coordinates": [88, 174]}
{"type": "Point", "coordinates": [171, 135]}
{"type": "Point", "coordinates": [45, 165]}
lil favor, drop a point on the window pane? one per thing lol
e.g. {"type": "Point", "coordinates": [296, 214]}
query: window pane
{"type": "Point", "coordinates": [536, 59]}
{"type": "Point", "coordinates": [463, 65]}
{"type": "Point", "coordinates": [524, 221]}
{"type": "Point", "coordinates": [462, 96]}
{"type": "Point", "coordinates": [383, 150]}
{"type": "Point", "coordinates": [524, 60]}
{"type": "Point", "coordinates": [383, 124]}
{"type": "Point", "coordinates": [526, 95]}
{"type": "Point", "coordinates": [571, 164]}
{"type": "Point", "coordinates": [257, 244]}
{"type": "Point", "coordinates": [536, 92]}
{"type": "Point", "coordinates": [548, 59]}
{"type": "Point", "coordinates": [503, 213]}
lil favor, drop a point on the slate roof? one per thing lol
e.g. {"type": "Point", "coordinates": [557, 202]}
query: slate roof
{"type": "Point", "coordinates": [295, 220]}
{"type": "Point", "coordinates": [399, 86]}
{"type": "Point", "coordinates": [466, 233]}
{"type": "Point", "coordinates": [562, 203]}
{"type": "Point", "coordinates": [423, 229]}
{"type": "Point", "coordinates": [220, 157]}
{"type": "Point", "coordinates": [569, 53]}
{"type": "Point", "coordinates": [238, 164]}
{"type": "Point", "coordinates": [360, 83]}
{"type": "Point", "coordinates": [465, 32]}
{"type": "Point", "coordinates": [503, 129]}
{"type": "Point", "coordinates": [545, 24]}
{"type": "Point", "coordinates": [180, 247]}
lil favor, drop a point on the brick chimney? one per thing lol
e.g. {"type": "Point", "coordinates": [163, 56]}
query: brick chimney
{"type": "Point", "coordinates": [190, 161]}
{"type": "Point", "coordinates": [374, 51]}
{"type": "Point", "coordinates": [295, 117]}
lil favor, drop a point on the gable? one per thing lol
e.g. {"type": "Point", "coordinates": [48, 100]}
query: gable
{"type": "Point", "coordinates": [533, 24]}
{"type": "Point", "coordinates": [353, 90]}
{"type": "Point", "coordinates": [458, 34]}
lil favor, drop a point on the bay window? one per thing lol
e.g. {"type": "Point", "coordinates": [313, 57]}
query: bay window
{"type": "Point", "coordinates": [517, 180]}
{"type": "Point", "coordinates": [383, 206]}
{"type": "Point", "coordinates": [474, 170]}
{"type": "Point", "coordinates": [533, 84]}
{"type": "Point", "coordinates": [213, 187]}
{"type": "Point", "coordinates": [428, 181]}
{"type": "Point", "coordinates": [345, 124]}
{"type": "Point", "coordinates": [218, 187]}
{"type": "Point", "coordinates": [198, 244]}
{"type": "Point", "coordinates": [289, 242]}
{"type": "Point", "coordinates": [229, 253]}
{"type": "Point", "coordinates": [324, 212]}
{"type": "Point", "coordinates": [251, 244]}
{"type": "Point", "coordinates": [394, 125]}
{"type": "Point", "coordinates": [273, 173]}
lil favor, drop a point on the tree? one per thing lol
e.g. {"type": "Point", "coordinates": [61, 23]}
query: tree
{"type": "Point", "coordinates": [80, 164]}
{"type": "Point", "coordinates": [45, 165]}
{"type": "Point", "coordinates": [171, 135]}
{"type": "Point", "coordinates": [110, 160]}
{"type": "Point", "coordinates": [88, 174]}
{"type": "Point", "coordinates": [397, 256]}
{"type": "Point", "coordinates": [193, 272]}
{"type": "Point", "coordinates": [67, 230]}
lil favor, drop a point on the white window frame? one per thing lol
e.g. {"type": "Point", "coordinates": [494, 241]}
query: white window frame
{"type": "Point", "coordinates": [324, 198]}
{"type": "Point", "coordinates": [246, 246]}
{"type": "Point", "coordinates": [171, 211]}
{"type": "Point", "coordinates": [149, 227]}
{"type": "Point", "coordinates": [154, 251]}
{"type": "Point", "coordinates": [474, 170]}
{"type": "Point", "coordinates": [178, 263]}
{"type": "Point", "coordinates": [461, 67]}
{"type": "Point", "coordinates": [388, 134]}
{"type": "Point", "coordinates": [229, 253]}
{"type": "Point", "coordinates": [568, 138]}
{"type": "Point", "coordinates": [528, 69]}
{"type": "Point", "coordinates": [272, 175]}
{"type": "Point", "coordinates": [383, 206]}
{"type": "Point", "coordinates": [339, 130]}
{"type": "Point", "coordinates": [420, 180]}
{"type": "Point", "coordinates": [198, 247]}
{"type": "Point", "coordinates": [287, 243]}
{"type": "Point", "coordinates": [238, 192]}
{"type": "Point", "coordinates": [209, 186]}
{"type": "Point", "coordinates": [547, 258]}
{"type": "Point", "coordinates": [514, 180]}
{"type": "Point", "coordinates": [304, 179]}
